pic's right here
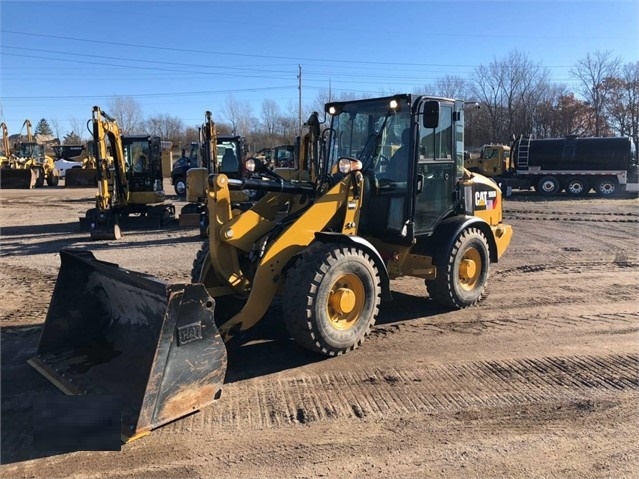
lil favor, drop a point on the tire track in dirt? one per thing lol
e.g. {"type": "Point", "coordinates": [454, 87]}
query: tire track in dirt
{"type": "Point", "coordinates": [610, 323]}
{"type": "Point", "coordinates": [620, 262]}
{"type": "Point", "coordinates": [379, 392]}
{"type": "Point", "coordinates": [509, 211]}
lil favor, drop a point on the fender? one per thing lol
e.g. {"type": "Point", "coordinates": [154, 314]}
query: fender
{"type": "Point", "coordinates": [447, 231]}
{"type": "Point", "coordinates": [364, 244]}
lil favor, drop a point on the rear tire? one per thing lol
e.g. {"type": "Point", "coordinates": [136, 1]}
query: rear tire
{"type": "Point", "coordinates": [462, 274]}
{"type": "Point", "coordinates": [332, 297]}
{"type": "Point", "coordinates": [548, 186]}
{"type": "Point", "coordinates": [607, 187]}
{"type": "Point", "coordinates": [576, 186]}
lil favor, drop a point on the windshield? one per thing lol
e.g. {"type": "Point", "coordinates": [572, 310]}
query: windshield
{"type": "Point", "coordinates": [368, 131]}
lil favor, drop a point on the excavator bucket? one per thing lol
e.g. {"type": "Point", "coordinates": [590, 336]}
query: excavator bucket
{"type": "Point", "coordinates": [114, 332]}
{"type": "Point", "coordinates": [80, 178]}
{"type": "Point", "coordinates": [14, 178]}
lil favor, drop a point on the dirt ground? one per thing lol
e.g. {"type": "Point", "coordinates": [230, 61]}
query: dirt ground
{"type": "Point", "coordinates": [541, 379]}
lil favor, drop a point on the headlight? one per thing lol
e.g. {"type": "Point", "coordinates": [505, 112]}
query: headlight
{"type": "Point", "coordinates": [346, 165]}
{"type": "Point", "coordinates": [250, 165]}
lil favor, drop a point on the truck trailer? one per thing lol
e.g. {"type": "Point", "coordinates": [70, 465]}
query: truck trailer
{"type": "Point", "coordinates": [574, 164]}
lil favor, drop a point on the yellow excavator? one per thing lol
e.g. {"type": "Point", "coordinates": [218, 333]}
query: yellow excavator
{"type": "Point", "coordinates": [129, 181]}
{"type": "Point", "coordinates": [219, 154]}
{"type": "Point", "coordinates": [381, 193]}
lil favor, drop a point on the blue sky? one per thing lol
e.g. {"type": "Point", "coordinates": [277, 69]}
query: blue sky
{"type": "Point", "coordinates": [58, 59]}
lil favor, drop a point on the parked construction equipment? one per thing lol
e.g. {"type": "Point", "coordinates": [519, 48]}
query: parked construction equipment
{"type": "Point", "coordinates": [571, 164]}
{"type": "Point", "coordinates": [218, 154]}
{"type": "Point", "coordinates": [359, 211]}
{"type": "Point", "coordinates": [16, 171]}
{"type": "Point", "coordinates": [130, 191]}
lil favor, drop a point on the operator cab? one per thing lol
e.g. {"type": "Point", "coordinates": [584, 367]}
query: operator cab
{"type": "Point", "coordinates": [143, 159]}
{"type": "Point", "coordinates": [230, 153]}
{"type": "Point", "coordinates": [411, 149]}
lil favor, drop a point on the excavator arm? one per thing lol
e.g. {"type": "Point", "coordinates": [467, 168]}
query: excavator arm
{"type": "Point", "coordinates": [5, 140]}
{"type": "Point", "coordinates": [106, 128]}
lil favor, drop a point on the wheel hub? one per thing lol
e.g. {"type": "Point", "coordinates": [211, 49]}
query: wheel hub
{"type": "Point", "coordinates": [470, 269]}
{"type": "Point", "coordinates": [343, 301]}
{"type": "Point", "coordinates": [467, 269]}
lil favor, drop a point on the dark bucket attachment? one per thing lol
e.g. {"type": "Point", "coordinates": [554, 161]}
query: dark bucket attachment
{"type": "Point", "coordinates": [110, 331]}
{"type": "Point", "coordinates": [80, 178]}
{"type": "Point", "coordinates": [13, 178]}
{"type": "Point", "coordinates": [105, 226]}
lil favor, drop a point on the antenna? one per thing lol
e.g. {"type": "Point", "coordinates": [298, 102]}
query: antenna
{"type": "Point", "coordinates": [299, 106]}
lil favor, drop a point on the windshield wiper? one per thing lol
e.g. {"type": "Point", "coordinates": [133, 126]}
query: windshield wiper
{"type": "Point", "coordinates": [366, 155]}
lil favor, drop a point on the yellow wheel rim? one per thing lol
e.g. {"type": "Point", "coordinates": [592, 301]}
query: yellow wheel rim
{"type": "Point", "coordinates": [345, 302]}
{"type": "Point", "coordinates": [470, 268]}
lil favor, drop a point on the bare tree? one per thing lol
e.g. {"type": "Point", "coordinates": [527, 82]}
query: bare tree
{"type": "Point", "coordinates": [167, 127]}
{"type": "Point", "coordinates": [128, 114]}
{"type": "Point", "coordinates": [449, 86]}
{"type": "Point", "coordinates": [79, 127]}
{"type": "Point", "coordinates": [592, 73]}
{"type": "Point", "coordinates": [622, 107]}
{"type": "Point", "coordinates": [270, 116]}
{"type": "Point", "coordinates": [238, 114]}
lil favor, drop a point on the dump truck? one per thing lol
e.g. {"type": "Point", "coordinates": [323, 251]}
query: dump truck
{"type": "Point", "coordinates": [358, 212]}
{"type": "Point", "coordinates": [129, 181]}
{"type": "Point", "coordinates": [572, 164]}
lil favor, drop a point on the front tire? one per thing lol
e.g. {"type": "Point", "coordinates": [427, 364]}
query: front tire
{"type": "Point", "coordinates": [53, 179]}
{"type": "Point", "coordinates": [462, 274]}
{"type": "Point", "coordinates": [332, 298]}
{"type": "Point", "coordinates": [548, 186]}
{"type": "Point", "coordinates": [180, 186]}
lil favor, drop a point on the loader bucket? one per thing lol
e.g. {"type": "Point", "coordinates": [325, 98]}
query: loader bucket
{"type": "Point", "coordinates": [114, 332]}
{"type": "Point", "coordinates": [80, 178]}
{"type": "Point", "coordinates": [13, 178]}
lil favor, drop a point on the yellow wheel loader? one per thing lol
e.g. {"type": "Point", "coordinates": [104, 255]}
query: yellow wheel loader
{"type": "Point", "coordinates": [18, 168]}
{"type": "Point", "coordinates": [381, 193]}
{"type": "Point", "coordinates": [129, 181]}
{"type": "Point", "coordinates": [31, 155]}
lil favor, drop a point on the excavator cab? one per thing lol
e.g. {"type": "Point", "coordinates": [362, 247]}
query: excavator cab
{"type": "Point", "coordinates": [143, 159]}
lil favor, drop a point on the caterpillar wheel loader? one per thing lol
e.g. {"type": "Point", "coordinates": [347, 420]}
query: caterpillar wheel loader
{"type": "Point", "coordinates": [220, 154]}
{"type": "Point", "coordinates": [360, 210]}
{"type": "Point", "coordinates": [130, 188]}
{"type": "Point", "coordinates": [32, 155]}
{"type": "Point", "coordinates": [16, 171]}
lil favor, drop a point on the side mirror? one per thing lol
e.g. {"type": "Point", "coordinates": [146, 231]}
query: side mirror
{"type": "Point", "coordinates": [431, 114]}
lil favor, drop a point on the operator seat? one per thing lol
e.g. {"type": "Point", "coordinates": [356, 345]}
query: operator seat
{"type": "Point", "coordinates": [398, 167]}
{"type": "Point", "coordinates": [229, 161]}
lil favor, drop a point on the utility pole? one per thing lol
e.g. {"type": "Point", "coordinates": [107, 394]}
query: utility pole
{"type": "Point", "coordinates": [299, 106]}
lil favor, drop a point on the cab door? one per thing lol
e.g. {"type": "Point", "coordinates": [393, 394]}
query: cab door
{"type": "Point", "coordinates": [436, 171]}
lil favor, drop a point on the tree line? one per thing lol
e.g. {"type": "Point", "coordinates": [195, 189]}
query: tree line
{"type": "Point", "coordinates": [515, 96]}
